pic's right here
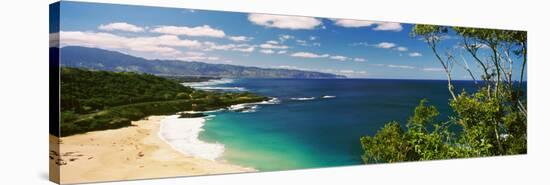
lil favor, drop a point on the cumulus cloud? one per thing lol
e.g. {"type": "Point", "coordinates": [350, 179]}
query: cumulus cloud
{"type": "Point", "coordinates": [282, 52]}
{"type": "Point", "coordinates": [415, 54]}
{"type": "Point", "coordinates": [120, 26]}
{"type": "Point", "coordinates": [308, 55]}
{"type": "Point", "coordinates": [268, 45]}
{"type": "Point", "coordinates": [162, 45]}
{"type": "Point", "coordinates": [284, 38]}
{"type": "Point", "coordinates": [199, 31]}
{"type": "Point", "coordinates": [284, 22]}
{"type": "Point", "coordinates": [306, 43]}
{"type": "Point", "coordinates": [349, 23]}
{"type": "Point", "coordinates": [209, 46]}
{"type": "Point", "coordinates": [388, 26]}
{"type": "Point", "coordinates": [272, 42]}
{"type": "Point", "coordinates": [386, 45]}
{"type": "Point", "coordinates": [338, 57]}
{"type": "Point", "coordinates": [359, 59]}
{"type": "Point", "coordinates": [379, 26]}
{"type": "Point", "coordinates": [267, 51]}
{"type": "Point", "coordinates": [239, 38]}
{"type": "Point", "coordinates": [246, 49]}
{"type": "Point", "coordinates": [332, 57]}
{"type": "Point", "coordinates": [401, 48]}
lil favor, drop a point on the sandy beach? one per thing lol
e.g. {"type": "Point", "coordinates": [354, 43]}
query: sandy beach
{"type": "Point", "coordinates": [135, 152]}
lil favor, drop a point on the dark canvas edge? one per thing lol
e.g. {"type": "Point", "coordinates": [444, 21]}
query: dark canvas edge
{"type": "Point", "coordinates": [54, 92]}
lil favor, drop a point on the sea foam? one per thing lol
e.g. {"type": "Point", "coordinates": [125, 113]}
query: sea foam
{"type": "Point", "coordinates": [213, 85]}
{"type": "Point", "coordinates": [182, 134]}
{"type": "Point", "coordinates": [303, 99]}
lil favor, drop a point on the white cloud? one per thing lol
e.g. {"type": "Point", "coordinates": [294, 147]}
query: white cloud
{"type": "Point", "coordinates": [386, 45]}
{"type": "Point", "coordinates": [284, 22]}
{"type": "Point", "coordinates": [346, 71]}
{"type": "Point", "coordinates": [301, 42]}
{"type": "Point", "coordinates": [349, 72]}
{"type": "Point", "coordinates": [209, 46]}
{"type": "Point", "coordinates": [272, 42]}
{"type": "Point", "coordinates": [401, 66]}
{"type": "Point", "coordinates": [415, 54]}
{"type": "Point", "coordinates": [433, 69]}
{"type": "Point", "coordinates": [314, 55]}
{"type": "Point", "coordinates": [332, 57]}
{"type": "Point", "coordinates": [283, 38]}
{"type": "Point", "coordinates": [272, 46]}
{"type": "Point", "coordinates": [308, 55]}
{"type": "Point", "coordinates": [359, 59]}
{"type": "Point", "coordinates": [379, 26]}
{"type": "Point", "coordinates": [338, 57]}
{"type": "Point", "coordinates": [245, 49]}
{"type": "Point", "coordinates": [239, 38]}
{"type": "Point", "coordinates": [282, 52]}
{"type": "Point", "coordinates": [388, 26]}
{"type": "Point", "coordinates": [401, 48]}
{"type": "Point", "coordinates": [120, 26]}
{"type": "Point", "coordinates": [267, 51]}
{"type": "Point", "coordinates": [199, 31]}
{"type": "Point", "coordinates": [352, 23]}
{"type": "Point", "coordinates": [312, 38]}
{"type": "Point", "coordinates": [305, 43]}
{"type": "Point", "coordinates": [162, 45]}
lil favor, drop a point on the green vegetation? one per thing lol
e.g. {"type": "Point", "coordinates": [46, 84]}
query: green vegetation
{"type": "Point", "coordinates": [192, 115]}
{"type": "Point", "coordinates": [99, 100]}
{"type": "Point", "coordinates": [493, 120]}
{"type": "Point", "coordinates": [187, 79]}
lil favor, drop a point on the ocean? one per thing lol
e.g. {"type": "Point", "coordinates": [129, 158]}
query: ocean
{"type": "Point", "coordinates": [311, 123]}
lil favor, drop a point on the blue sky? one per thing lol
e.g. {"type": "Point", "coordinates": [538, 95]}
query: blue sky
{"type": "Point", "coordinates": [359, 49]}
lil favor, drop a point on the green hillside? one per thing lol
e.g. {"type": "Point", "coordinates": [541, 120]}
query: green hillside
{"type": "Point", "coordinates": [98, 100]}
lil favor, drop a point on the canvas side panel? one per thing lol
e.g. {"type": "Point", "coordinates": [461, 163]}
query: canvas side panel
{"type": "Point", "coordinates": [54, 153]}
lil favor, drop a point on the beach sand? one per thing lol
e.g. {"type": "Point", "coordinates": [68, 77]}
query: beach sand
{"type": "Point", "coordinates": [135, 152]}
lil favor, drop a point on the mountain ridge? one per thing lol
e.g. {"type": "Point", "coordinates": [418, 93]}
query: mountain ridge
{"type": "Point", "coordinates": [101, 59]}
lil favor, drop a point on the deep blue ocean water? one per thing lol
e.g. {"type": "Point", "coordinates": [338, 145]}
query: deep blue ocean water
{"type": "Point", "coordinates": [305, 130]}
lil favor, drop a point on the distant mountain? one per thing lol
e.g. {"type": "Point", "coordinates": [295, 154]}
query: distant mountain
{"type": "Point", "coordinates": [100, 59]}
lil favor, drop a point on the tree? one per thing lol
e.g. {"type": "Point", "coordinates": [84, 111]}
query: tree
{"type": "Point", "coordinates": [493, 120]}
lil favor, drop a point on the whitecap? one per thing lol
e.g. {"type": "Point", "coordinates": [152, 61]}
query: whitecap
{"type": "Point", "coordinates": [303, 99]}
{"type": "Point", "coordinates": [209, 82]}
{"type": "Point", "coordinates": [182, 134]}
{"type": "Point", "coordinates": [270, 101]}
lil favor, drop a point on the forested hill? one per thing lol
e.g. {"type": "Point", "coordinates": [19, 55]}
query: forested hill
{"type": "Point", "coordinates": [99, 100]}
{"type": "Point", "coordinates": [100, 59]}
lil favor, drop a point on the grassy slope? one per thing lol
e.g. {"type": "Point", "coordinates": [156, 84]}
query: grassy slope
{"type": "Point", "coordinates": [99, 100]}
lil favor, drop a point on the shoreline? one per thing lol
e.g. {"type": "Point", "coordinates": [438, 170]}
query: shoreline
{"type": "Point", "coordinates": [182, 134]}
{"type": "Point", "coordinates": [136, 152]}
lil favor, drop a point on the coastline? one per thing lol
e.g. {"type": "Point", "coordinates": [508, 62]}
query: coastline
{"type": "Point", "coordinates": [135, 152]}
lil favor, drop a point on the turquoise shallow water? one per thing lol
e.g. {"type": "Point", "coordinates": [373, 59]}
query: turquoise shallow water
{"type": "Point", "coordinates": [318, 132]}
